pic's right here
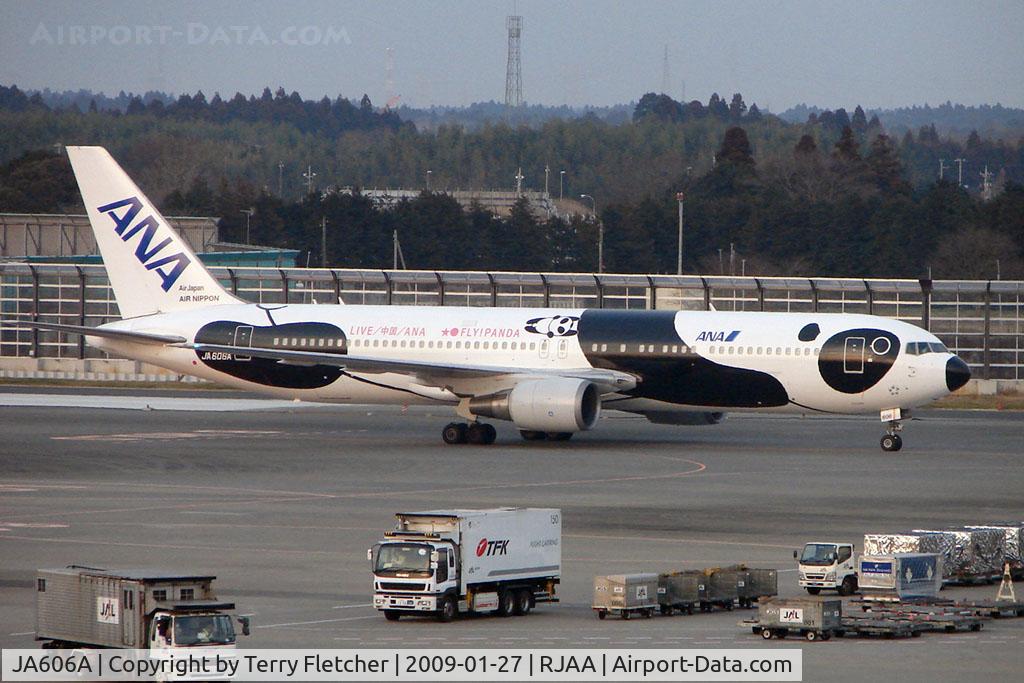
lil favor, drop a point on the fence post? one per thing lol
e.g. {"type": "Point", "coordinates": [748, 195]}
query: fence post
{"type": "Point", "coordinates": [987, 339]}
{"type": "Point", "coordinates": [547, 291]}
{"type": "Point", "coordinates": [81, 311]}
{"type": "Point", "coordinates": [926, 303]}
{"type": "Point", "coordinates": [707, 294]}
{"type": "Point", "coordinates": [600, 291]}
{"type": "Point", "coordinates": [35, 311]}
{"type": "Point", "coordinates": [494, 290]}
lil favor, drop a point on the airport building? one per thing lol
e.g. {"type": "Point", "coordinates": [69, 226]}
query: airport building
{"type": "Point", "coordinates": [981, 321]}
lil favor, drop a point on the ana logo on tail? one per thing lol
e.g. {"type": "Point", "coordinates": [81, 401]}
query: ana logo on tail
{"type": "Point", "coordinates": [169, 267]}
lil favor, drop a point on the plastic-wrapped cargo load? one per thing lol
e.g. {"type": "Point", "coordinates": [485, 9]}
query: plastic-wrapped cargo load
{"type": "Point", "coordinates": [890, 544]}
{"type": "Point", "coordinates": [905, 575]}
{"type": "Point", "coordinates": [918, 541]}
{"type": "Point", "coordinates": [976, 553]}
{"type": "Point", "coordinates": [1013, 542]}
{"type": "Point", "coordinates": [989, 550]}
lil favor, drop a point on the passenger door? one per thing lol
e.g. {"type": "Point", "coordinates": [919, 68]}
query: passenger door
{"type": "Point", "coordinates": [853, 356]}
{"type": "Point", "coordinates": [243, 337]}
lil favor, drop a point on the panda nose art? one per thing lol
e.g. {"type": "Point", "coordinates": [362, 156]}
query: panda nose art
{"type": "Point", "coordinates": [957, 373]}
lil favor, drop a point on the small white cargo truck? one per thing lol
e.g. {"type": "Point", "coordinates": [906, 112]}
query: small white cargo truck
{"type": "Point", "coordinates": [827, 565]}
{"type": "Point", "coordinates": [84, 607]}
{"type": "Point", "coordinates": [440, 562]}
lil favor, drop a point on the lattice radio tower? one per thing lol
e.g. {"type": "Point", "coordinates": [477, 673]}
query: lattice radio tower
{"type": "Point", "coordinates": [514, 73]}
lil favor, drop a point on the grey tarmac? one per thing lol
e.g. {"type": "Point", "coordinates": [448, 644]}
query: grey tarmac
{"type": "Point", "coordinates": [281, 500]}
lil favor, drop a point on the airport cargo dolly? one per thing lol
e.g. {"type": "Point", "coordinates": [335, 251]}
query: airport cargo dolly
{"type": "Point", "coordinates": [625, 595]}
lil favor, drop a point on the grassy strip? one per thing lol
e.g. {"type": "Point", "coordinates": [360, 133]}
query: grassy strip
{"type": "Point", "coordinates": [998, 402]}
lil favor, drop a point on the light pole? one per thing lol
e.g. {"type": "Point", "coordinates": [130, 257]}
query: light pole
{"type": "Point", "coordinates": [280, 180]}
{"type": "Point", "coordinates": [679, 251]}
{"type": "Point", "coordinates": [561, 184]}
{"type": "Point", "coordinates": [248, 214]}
{"type": "Point", "coordinates": [600, 233]}
{"type": "Point", "coordinates": [428, 180]}
{"type": "Point", "coordinates": [547, 171]}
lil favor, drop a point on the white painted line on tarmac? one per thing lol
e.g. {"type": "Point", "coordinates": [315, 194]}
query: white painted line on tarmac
{"type": "Point", "coordinates": [318, 621]}
{"type": "Point", "coordinates": [368, 604]}
{"type": "Point", "coordinates": [26, 633]}
{"type": "Point", "coordinates": [215, 405]}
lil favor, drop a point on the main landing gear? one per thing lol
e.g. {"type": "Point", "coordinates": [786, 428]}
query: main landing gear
{"type": "Point", "coordinates": [892, 442]}
{"type": "Point", "coordinates": [477, 433]}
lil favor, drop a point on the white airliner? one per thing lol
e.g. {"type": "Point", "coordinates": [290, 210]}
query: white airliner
{"type": "Point", "coordinates": [548, 371]}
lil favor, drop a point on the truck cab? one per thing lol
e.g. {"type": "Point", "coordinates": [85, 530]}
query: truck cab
{"type": "Point", "coordinates": [827, 565]}
{"type": "Point", "coordinates": [415, 573]}
{"type": "Point", "coordinates": [206, 627]}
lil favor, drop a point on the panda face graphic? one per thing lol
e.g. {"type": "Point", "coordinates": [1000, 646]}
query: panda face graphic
{"type": "Point", "coordinates": [855, 360]}
{"type": "Point", "coordinates": [554, 326]}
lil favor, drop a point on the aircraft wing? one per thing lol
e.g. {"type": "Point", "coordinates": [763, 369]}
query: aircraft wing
{"type": "Point", "coordinates": [121, 335]}
{"type": "Point", "coordinates": [446, 375]}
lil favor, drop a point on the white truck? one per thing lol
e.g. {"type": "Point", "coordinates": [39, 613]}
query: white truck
{"type": "Point", "coordinates": [440, 562]}
{"type": "Point", "coordinates": [827, 565]}
{"type": "Point", "coordinates": [84, 607]}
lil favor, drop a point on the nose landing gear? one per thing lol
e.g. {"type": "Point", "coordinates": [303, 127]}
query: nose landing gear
{"type": "Point", "coordinates": [892, 442]}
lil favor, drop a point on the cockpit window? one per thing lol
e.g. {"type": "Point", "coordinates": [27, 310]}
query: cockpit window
{"type": "Point", "coordinates": [921, 348]}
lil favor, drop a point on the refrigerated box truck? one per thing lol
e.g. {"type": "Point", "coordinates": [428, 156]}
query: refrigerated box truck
{"type": "Point", "coordinates": [85, 607]}
{"type": "Point", "coordinates": [502, 560]}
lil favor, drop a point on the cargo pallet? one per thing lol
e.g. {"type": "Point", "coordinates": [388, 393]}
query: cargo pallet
{"type": "Point", "coordinates": [863, 627]}
{"type": "Point", "coordinates": [947, 622]}
{"type": "Point", "coordinates": [624, 612]}
{"type": "Point", "coordinates": [980, 608]}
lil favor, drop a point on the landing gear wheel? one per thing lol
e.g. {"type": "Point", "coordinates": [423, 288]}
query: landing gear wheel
{"type": "Point", "coordinates": [454, 432]}
{"type": "Point", "coordinates": [530, 435]}
{"type": "Point", "coordinates": [481, 434]}
{"type": "Point", "coordinates": [559, 436]}
{"type": "Point", "coordinates": [506, 603]}
{"type": "Point", "coordinates": [522, 605]}
{"type": "Point", "coordinates": [813, 591]}
{"type": "Point", "coordinates": [891, 442]}
{"type": "Point", "coordinates": [449, 608]}
{"type": "Point", "coordinates": [392, 615]}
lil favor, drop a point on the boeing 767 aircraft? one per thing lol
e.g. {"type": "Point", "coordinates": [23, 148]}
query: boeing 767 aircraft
{"type": "Point", "coordinates": [548, 371]}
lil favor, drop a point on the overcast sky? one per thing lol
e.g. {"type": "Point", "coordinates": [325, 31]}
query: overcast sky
{"type": "Point", "coordinates": [778, 54]}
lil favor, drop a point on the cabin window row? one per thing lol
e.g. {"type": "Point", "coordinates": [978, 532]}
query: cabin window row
{"type": "Point", "coordinates": [431, 344]}
{"type": "Point", "coordinates": [301, 342]}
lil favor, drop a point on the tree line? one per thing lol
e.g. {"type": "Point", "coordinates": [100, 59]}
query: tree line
{"type": "Point", "coordinates": [836, 194]}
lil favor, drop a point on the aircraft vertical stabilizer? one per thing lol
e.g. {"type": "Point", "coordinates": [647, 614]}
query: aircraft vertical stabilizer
{"type": "Point", "coordinates": [151, 268]}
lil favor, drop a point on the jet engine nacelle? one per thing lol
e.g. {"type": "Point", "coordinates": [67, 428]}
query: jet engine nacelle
{"type": "Point", "coordinates": [669, 417]}
{"type": "Point", "coordinates": [559, 404]}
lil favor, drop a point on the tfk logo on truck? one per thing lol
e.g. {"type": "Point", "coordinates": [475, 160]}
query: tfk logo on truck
{"type": "Point", "coordinates": [491, 548]}
{"type": "Point", "coordinates": [718, 336]}
{"type": "Point", "coordinates": [107, 611]}
{"type": "Point", "coordinates": [169, 267]}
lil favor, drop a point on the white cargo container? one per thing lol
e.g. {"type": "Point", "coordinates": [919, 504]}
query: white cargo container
{"type": "Point", "coordinates": [503, 560]}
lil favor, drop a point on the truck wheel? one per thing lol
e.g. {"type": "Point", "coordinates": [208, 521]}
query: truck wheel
{"type": "Point", "coordinates": [813, 591]}
{"type": "Point", "coordinates": [825, 635]}
{"type": "Point", "coordinates": [766, 633]}
{"type": "Point", "coordinates": [666, 610]}
{"type": "Point", "coordinates": [811, 636]}
{"type": "Point", "coordinates": [392, 615]}
{"type": "Point", "coordinates": [448, 609]}
{"type": "Point", "coordinates": [522, 604]}
{"type": "Point", "coordinates": [848, 586]}
{"type": "Point", "coordinates": [506, 603]}
{"type": "Point", "coordinates": [601, 614]}
{"type": "Point", "coordinates": [625, 614]}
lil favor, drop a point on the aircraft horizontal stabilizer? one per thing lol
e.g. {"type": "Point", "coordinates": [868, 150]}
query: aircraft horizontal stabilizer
{"type": "Point", "coordinates": [121, 335]}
